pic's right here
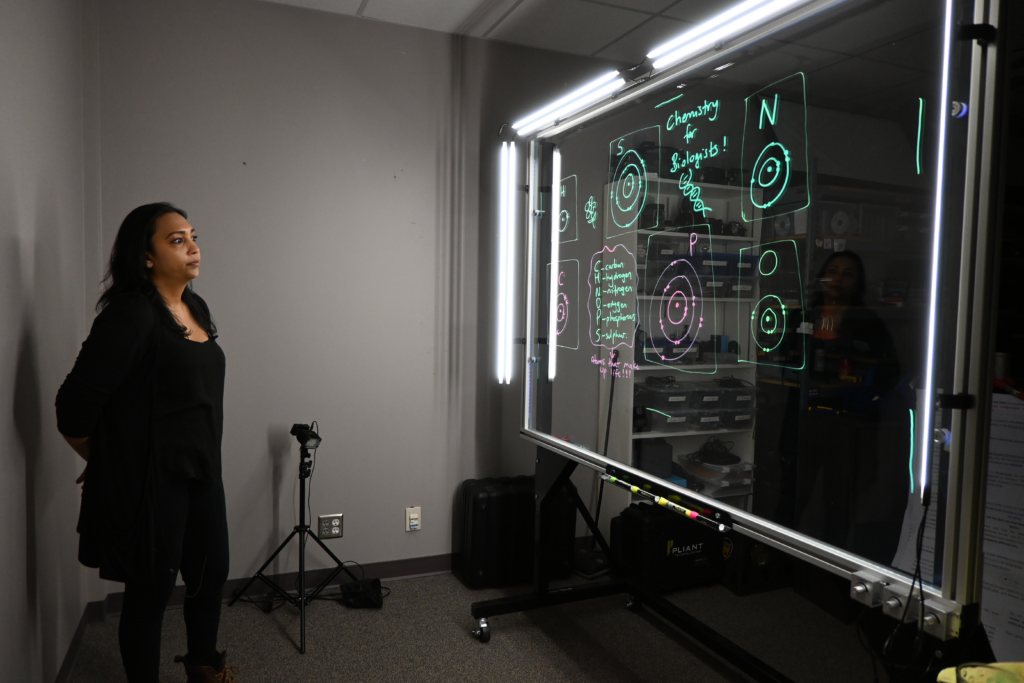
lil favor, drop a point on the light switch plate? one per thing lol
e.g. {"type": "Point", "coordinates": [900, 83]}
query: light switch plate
{"type": "Point", "coordinates": [413, 519]}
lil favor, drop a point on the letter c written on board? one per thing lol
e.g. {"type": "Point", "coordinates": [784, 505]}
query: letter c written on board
{"type": "Point", "coordinates": [560, 275]}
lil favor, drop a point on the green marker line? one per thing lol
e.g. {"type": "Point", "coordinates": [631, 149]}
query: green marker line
{"type": "Point", "coordinates": [659, 412]}
{"type": "Point", "coordinates": [920, 127]}
{"type": "Point", "coordinates": [911, 450]}
{"type": "Point", "coordinates": [667, 101]}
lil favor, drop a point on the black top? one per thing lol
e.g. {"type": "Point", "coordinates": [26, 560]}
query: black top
{"type": "Point", "coordinates": [126, 396]}
{"type": "Point", "coordinates": [189, 407]}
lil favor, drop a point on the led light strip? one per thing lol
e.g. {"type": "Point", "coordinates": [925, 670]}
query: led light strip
{"type": "Point", "coordinates": [556, 209]}
{"type": "Point", "coordinates": [503, 229]}
{"type": "Point", "coordinates": [718, 29]}
{"type": "Point", "coordinates": [926, 427]}
{"type": "Point", "coordinates": [571, 103]}
{"type": "Point", "coordinates": [506, 260]}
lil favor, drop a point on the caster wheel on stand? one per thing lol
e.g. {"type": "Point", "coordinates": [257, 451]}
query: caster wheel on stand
{"type": "Point", "coordinates": [483, 633]}
{"type": "Point", "coordinates": [633, 603]}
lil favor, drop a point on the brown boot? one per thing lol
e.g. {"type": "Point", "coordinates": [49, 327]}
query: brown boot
{"type": "Point", "coordinates": [221, 673]}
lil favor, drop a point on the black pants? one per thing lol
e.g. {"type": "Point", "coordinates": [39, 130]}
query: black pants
{"type": "Point", "coordinates": [194, 529]}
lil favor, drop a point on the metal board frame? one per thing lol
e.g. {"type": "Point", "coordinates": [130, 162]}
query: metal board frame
{"type": "Point", "coordinates": [963, 537]}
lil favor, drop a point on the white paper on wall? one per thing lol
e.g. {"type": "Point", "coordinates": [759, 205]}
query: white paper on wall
{"type": "Point", "coordinates": [1002, 597]}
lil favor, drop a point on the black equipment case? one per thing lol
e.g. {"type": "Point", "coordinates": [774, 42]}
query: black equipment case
{"type": "Point", "coordinates": [665, 550]}
{"type": "Point", "coordinates": [493, 532]}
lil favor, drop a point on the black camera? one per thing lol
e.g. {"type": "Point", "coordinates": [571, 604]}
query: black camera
{"type": "Point", "coordinates": [307, 437]}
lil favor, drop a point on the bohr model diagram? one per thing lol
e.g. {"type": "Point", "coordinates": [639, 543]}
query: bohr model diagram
{"type": "Point", "coordinates": [770, 175]}
{"type": "Point", "coordinates": [628, 192]}
{"type": "Point", "coordinates": [677, 310]}
{"type": "Point", "coordinates": [562, 313]}
{"type": "Point", "coordinates": [768, 316]}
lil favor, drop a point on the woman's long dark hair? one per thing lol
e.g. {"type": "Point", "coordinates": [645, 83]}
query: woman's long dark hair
{"type": "Point", "coordinates": [127, 271]}
{"type": "Point", "coordinates": [858, 294]}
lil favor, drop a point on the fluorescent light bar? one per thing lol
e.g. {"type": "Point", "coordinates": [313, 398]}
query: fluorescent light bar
{"type": "Point", "coordinates": [568, 99]}
{"type": "Point", "coordinates": [726, 25]}
{"type": "Point", "coordinates": [712, 23]}
{"type": "Point", "coordinates": [572, 107]}
{"type": "Point", "coordinates": [926, 410]}
{"type": "Point", "coordinates": [556, 211]}
{"type": "Point", "coordinates": [510, 257]}
{"type": "Point", "coordinates": [503, 229]}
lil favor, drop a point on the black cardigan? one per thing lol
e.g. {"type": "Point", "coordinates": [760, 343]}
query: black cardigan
{"type": "Point", "coordinates": [109, 396]}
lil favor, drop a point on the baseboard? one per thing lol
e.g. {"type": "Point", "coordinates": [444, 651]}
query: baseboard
{"type": "Point", "coordinates": [392, 569]}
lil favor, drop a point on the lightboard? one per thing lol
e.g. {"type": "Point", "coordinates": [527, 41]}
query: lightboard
{"type": "Point", "coordinates": [756, 256]}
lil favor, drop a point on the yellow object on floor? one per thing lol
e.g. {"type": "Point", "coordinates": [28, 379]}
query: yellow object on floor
{"type": "Point", "coordinates": [997, 672]}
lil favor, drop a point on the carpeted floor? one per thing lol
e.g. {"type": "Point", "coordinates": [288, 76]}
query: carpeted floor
{"type": "Point", "coordinates": [423, 634]}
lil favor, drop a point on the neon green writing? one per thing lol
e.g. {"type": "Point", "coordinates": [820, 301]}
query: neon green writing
{"type": "Point", "coordinates": [673, 99]}
{"type": "Point", "coordinates": [681, 161]}
{"type": "Point", "coordinates": [677, 119]}
{"type": "Point", "coordinates": [591, 209]}
{"type": "Point", "coordinates": [772, 113]}
{"type": "Point", "coordinates": [692, 192]}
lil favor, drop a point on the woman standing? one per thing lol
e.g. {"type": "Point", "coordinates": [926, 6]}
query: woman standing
{"type": "Point", "coordinates": [143, 406]}
{"type": "Point", "coordinates": [854, 437]}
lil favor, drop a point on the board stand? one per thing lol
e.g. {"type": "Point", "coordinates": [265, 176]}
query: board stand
{"type": "Point", "coordinates": [302, 530]}
{"type": "Point", "coordinates": [552, 475]}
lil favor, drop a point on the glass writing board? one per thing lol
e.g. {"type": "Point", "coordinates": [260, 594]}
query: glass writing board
{"type": "Point", "coordinates": [748, 250]}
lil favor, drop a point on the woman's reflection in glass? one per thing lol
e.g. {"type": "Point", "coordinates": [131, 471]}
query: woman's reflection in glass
{"type": "Point", "coordinates": [854, 436]}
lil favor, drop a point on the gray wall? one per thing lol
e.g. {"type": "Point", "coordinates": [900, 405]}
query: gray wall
{"type": "Point", "coordinates": [44, 319]}
{"type": "Point", "coordinates": [332, 167]}
{"type": "Point", "coordinates": [339, 172]}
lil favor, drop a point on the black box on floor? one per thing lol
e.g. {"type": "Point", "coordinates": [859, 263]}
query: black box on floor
{"type": "Point", "coordinates": [492, 532]}
{"type": "Point", "coordinates": [665, 550]}
{"type": "Point", "coordinates": [750, 566]}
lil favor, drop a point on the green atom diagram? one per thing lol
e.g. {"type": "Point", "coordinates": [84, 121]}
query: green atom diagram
{"type": "Point", "coordinates": [591, 209]}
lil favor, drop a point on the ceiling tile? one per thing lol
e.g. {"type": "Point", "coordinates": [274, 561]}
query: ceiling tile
{"type": "Point", "coordinates": [696, 11]}
{"type": "Point", "coordinates": [336, 6]}
{"type": "Point", "coordinates": [445, 16]}
{"type": "Point", "coordinates": [487, 14]}
{"type": "Point", "coordinates": [632, 47]}
{"type": "Point", "coordinates": [921, 51]}
{"type": "Point", "coordinates": [856, 77]}
{"type": "Point", "coordinates": [883, 23]}
{"type": "Point", "coordinates": [766, 62]}
{"type": "Point", "coordinates": [652, 6]}
{"type": "Point", "coordinates": [566, 25]}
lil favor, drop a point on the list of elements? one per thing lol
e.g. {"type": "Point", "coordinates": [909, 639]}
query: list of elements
{"type": "Point", "coordinates": [613, 301]}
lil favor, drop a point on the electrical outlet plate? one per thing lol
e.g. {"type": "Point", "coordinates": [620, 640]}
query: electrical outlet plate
{"type": "Point", "coordinates": [331, 526]}
{"type": "Point", "coordinates": [413, 519]}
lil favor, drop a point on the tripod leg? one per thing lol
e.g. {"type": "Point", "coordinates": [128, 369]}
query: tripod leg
{"type": "Point", "coordinates": [259, 572]}
{"type": "Point", "coordinates": [333, 556]}
{"type": "Point", "coordinates": [302, 593]}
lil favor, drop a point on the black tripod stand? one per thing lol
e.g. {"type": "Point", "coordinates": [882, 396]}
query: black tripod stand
{"type": "Point", "coordinates": [302, 530]}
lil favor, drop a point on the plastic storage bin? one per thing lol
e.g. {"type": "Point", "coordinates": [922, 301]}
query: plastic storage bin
{"type": "Point", "coordinates": [705, 420]}
{"type": "Point", "coordinates": [745, 266]}
{"type": "Point", "coordinates": [718, 287]}
{"type": "Point", "coordinates": [714, 474]}
{"type": "Point", "coordinates": [740, 397]}
{"type": "Point", "coordinates": [712, 265]}
{"type": "Point", "coordinates": [669, 420]}
{"type": "Point", "coordinates": [742, 288]}
{"type": "Point", "coordinates": [705, 397]}
{"type": "Point", "coordinates": [737, 418]}
{"type": "Point", "coordinates": [665, 396]}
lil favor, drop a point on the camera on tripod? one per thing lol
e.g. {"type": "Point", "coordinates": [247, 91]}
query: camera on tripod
{"type": "Point", "coordinates": [307, 437]}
